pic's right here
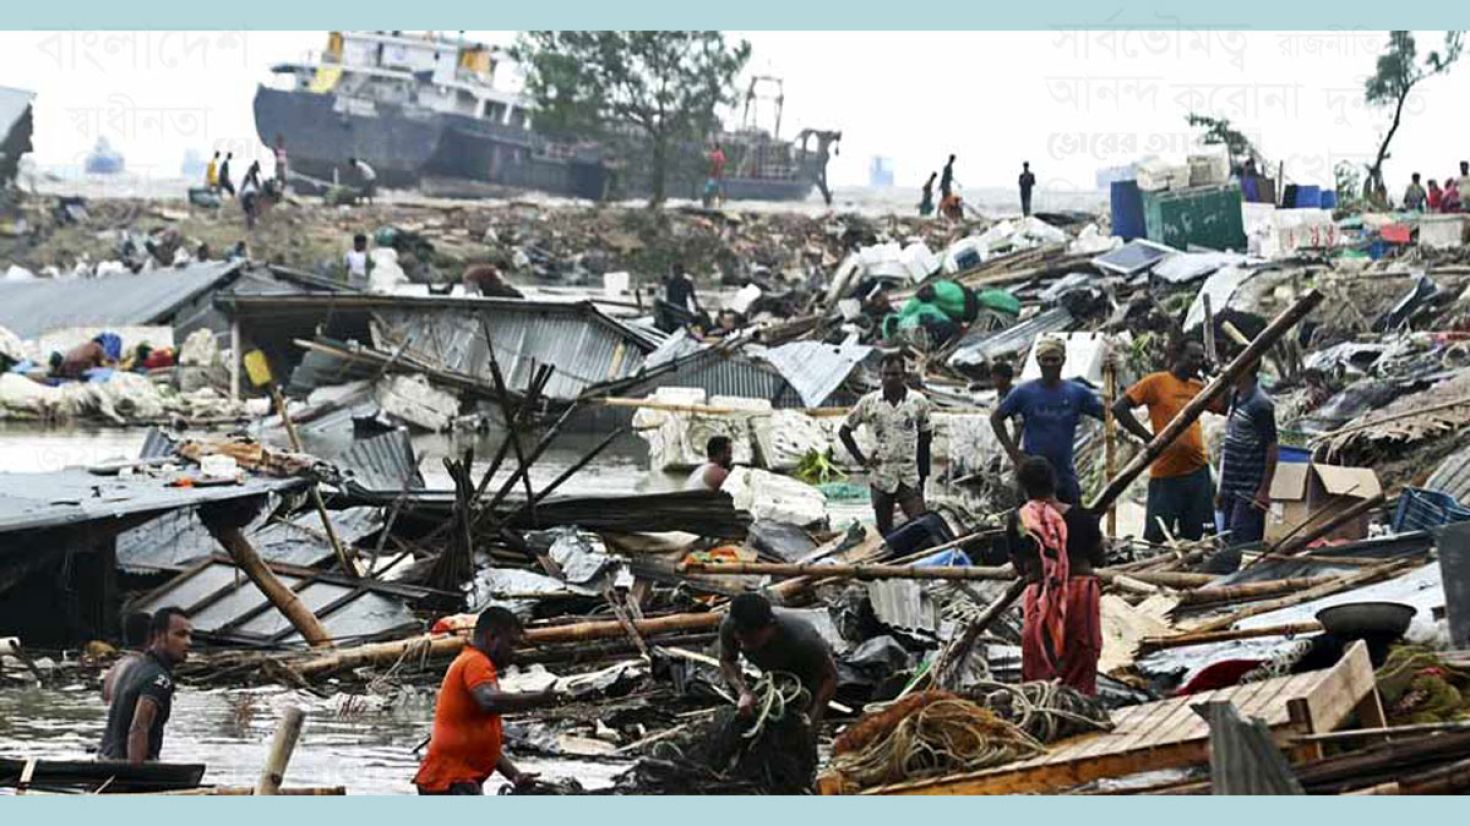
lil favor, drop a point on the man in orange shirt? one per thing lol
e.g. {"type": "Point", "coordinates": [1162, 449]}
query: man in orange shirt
{"type": "Point", "coordinates": [465, 748]}
{"type": "Point", "coordinates": [1180, 490]}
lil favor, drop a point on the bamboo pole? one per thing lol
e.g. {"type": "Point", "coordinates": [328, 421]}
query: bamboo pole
{"type": "Point", "coordinates": [1110, 437]}
{"type": "Point", "coordinates": [284, 599]}
{"type": "Point", "coordinates": [1217, 387]}
{"type": "Point", "coordinates": [282, 745]}
{"type": "Point", "coordinates": [1148, 644]}
{"type": "Point", "coordinates": [451, 644]}
{"type": "Point", "coordinates": [954, 657]}
{"type": "Point", "coordinates": [349, 566]}
{"type": "Point", "coordinates": [1250, 590]}
{"type": "Point", "coordinates": [1171, 579]}
{"type": "Point", "coordinates": [1333, 586]}
{"type": "Point", "coordinates": [1292, 545]}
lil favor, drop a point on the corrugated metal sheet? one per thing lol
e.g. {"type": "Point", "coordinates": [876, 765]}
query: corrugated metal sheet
{"type": "Point", "coordinates": [176, 540]}
{"type": "Point", "coordinates": [587, 347]}
{"type": "Point", "coordinates": [983, 346]}
{"type": "Point", "coordinates": [904, 605]}
{"type": "Point", "coordinates": [30, 308]}
{"type": "Point", "coordinates": [1386, 548]}
{"type": "Point", "coordinates": [383, 464]}
{"type": "Point", "coordinates": [73, 496]}
{"type": "Point", "coordinates": [721, 373]}
{"type": "Point", "coordinates": [813, 369]}
{"type": "Point", "coordinates": [222, 602]}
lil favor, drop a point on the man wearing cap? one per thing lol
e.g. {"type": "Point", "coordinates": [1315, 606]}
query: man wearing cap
{"type": "Point", "coordinates": [774, 641]}
{"type": "Point", "coordinates": [1050, 409]}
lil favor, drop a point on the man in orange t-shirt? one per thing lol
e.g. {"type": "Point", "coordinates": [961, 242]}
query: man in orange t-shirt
{"type": "Point", "coordinates": [465, 748]}
{"type": "Point", "coordinates": [1180, 490]}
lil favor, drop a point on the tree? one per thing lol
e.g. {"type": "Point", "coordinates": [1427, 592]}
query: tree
{"type": "Point", "coordinates": [1397, 74]}
{"type": "Point", "coordinates": [663, 85]}
{"type": "Point", "coordinates": [1219, 131]}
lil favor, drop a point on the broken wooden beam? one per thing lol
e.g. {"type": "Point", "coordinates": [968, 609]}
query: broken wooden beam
{"type": "Point", "coordinates": [284, 599]}
{"type": "Point", "coordinates": [1196, 406]}
{"type": "Point", "coordinates": [282, 745]}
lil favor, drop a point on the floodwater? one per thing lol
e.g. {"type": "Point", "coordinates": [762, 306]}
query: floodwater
{"type": "Point", "coordinates": [364, 744]}
{"type": "Point", "coordinates": [361, 743]}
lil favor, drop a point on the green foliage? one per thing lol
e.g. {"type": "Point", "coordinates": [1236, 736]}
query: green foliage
{"type": "Point", "coordinates": [1218, 131]}
{"type": "Point", "coordinates": [818, 468]}
{"type": "Point", "coordinates": [1397, 72]}
{"type": "Point", "coordinates": [664, 86]}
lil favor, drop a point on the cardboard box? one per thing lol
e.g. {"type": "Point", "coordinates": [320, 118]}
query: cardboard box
{"type": "Point", "coordinates": [1303, 493]}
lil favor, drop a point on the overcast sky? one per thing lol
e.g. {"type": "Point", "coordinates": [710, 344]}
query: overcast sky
{"type": "Point", "coordinates": [1069, 102]}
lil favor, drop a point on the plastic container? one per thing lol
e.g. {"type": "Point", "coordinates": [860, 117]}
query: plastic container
{"type": "Point", "coordinates": [1298, 455]}
{"type": "Point", "coordinates": [1308, 196]}
{"type": "Point", "coordinates": [1127, 210]}
{"type": "Point", "coordinates": [1421, 509]}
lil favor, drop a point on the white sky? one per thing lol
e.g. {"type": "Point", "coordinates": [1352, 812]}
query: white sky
{"type": "Point", "coordinates": [1070, 103]}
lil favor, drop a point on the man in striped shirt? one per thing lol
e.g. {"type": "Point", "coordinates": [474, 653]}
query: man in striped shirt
{"type": "Point", "coordinates": [1249, 460]}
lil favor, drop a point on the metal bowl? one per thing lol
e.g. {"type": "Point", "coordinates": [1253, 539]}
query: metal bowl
{"type": "Point", "coordinates": [1367, 619]}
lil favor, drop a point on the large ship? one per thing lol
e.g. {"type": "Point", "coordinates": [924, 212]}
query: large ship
{"type": "Point", "coordinates": [426, 107]}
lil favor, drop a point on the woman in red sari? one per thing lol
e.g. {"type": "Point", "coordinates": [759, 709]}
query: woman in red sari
{"type": "Point", "coordinates": [1056, 547]}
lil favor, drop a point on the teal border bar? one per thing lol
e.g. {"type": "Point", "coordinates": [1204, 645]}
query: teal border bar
{"type": "Point", "coordinates": [759, 15]}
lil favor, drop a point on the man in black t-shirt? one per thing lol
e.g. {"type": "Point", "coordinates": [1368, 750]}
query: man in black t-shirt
{"type": "Point", "coordinates": [775, 642]}
{"type": "Point", "coordinates": [143, 700]}
{"type": "Point", "coordinates": [1027, 182]}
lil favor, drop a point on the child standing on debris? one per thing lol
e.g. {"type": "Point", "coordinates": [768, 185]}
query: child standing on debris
{"type": "Point", "coordinates": [356, 260]}
{"type": "Point", "coordinates": [1180, 492]}
{"type": "Point", "coordinates": [1056, 547]}
{"type": "Point", "coordinates": [1050, 409]}
{"type": "Point", "coordinates": [1249, 461]}
{"type": "Point", "coordinates": [465, 747]}
{"type": "Point", "coordinates": [899, 421]}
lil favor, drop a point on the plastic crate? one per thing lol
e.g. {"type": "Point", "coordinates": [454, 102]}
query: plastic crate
{"type": "Point", "coordinates": [1421, 509]}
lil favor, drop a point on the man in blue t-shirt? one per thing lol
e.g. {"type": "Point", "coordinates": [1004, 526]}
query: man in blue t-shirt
{"type": "Point", "coordinates": [1050, 409]}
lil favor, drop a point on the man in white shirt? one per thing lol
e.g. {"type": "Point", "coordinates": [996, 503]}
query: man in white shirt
{"type": "Point", "coordinates": [720, 453]}
{"type": "Point", "coordinates": [367, 175]}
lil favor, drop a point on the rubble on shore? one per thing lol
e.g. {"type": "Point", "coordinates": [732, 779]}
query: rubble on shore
{"type": "Point", "coordinates": [622, 594]}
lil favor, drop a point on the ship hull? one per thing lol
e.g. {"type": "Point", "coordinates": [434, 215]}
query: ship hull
{"type": "Point", "coordinates": [403, 145]}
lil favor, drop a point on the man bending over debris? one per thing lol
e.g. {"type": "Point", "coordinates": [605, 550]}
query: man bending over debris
{"type": "Point", "coordinates": [1056, 546]}
{"type": "Point", "coordinates": [775, 642]}
{"type": "Point", "coordinates": [465, 747]}
{"type": "Point", "coordinates": [1050, 409]}
{"type": "Point", "coordinates": [899, 420]}
{"type": "Point", "coordinates": [1180, 491]}
{"type": "Point", "coordinates": [720, 452]}
{"type": "Point", "coordinates": [144, 696]}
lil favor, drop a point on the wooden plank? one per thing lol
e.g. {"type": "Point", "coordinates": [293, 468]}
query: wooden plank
{"type": "Point", "coordinates": [1346, 684]}
{"type": "Point", "coordinates": [1178, 738]}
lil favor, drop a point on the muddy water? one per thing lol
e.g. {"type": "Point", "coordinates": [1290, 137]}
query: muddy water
{"type": "Point", "coordinates": [362, 746]}
{"type": "Point", "coordinates": [365, 746]}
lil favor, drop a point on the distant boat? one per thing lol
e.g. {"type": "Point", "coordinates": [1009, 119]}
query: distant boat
{"type": "Point", "coordinates": [103, 160]}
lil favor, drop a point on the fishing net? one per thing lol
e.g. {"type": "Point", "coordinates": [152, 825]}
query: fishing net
{"type": "Point", "coordinates": [926, 734]}
{"type": "Point", "coordinates": [1418, 686]}
{"type": "Point", "coordinates": [774, 751]}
